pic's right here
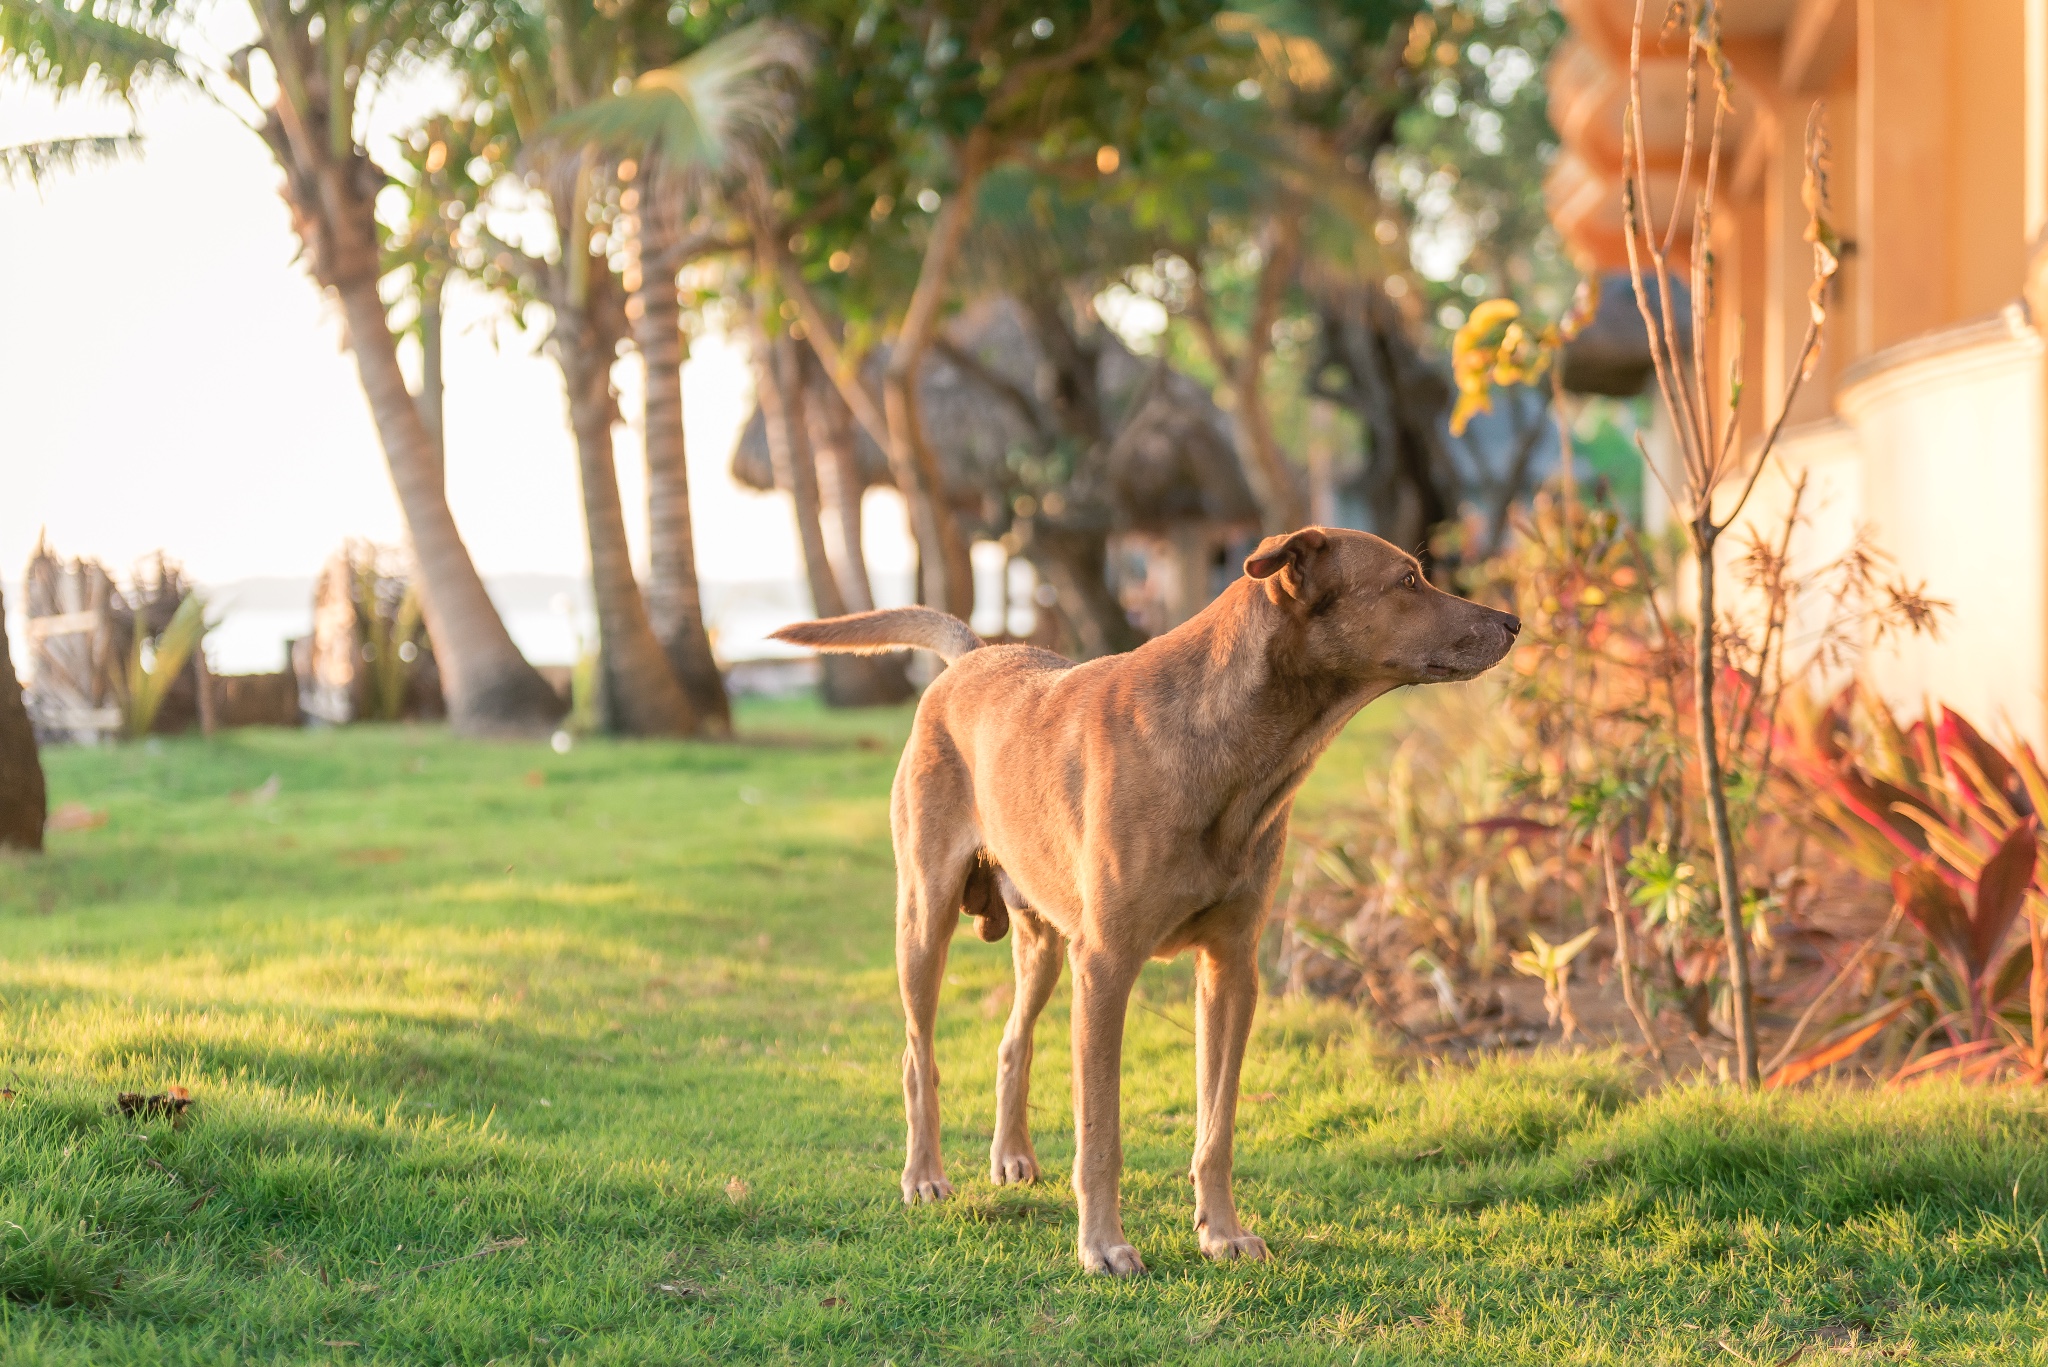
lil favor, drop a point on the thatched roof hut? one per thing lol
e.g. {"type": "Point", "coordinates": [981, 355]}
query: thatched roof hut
{"type": "Point", "coordinates": [1171, 466]}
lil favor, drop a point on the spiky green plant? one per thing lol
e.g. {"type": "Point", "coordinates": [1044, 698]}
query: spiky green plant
{"type": "Point", "coordinates": [153, 669]}
{"type": "Point", "coordinates": [387, 634]}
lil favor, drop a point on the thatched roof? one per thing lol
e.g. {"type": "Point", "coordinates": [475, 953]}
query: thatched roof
{"type": "Point", "coordinates": [1612, 355]}
{"type": "Point", "coordinates": [1172, 462]}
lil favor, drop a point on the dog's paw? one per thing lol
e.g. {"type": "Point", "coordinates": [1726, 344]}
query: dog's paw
{"type": "Point", "coordinates": [1224, 1247]}
{"type": "Point", "coordinates": [925, 1185]}
{"type": "Point", "coordinates": [1112, 1259]}
{"type": "Point", "coordinates": [1012, 1168]}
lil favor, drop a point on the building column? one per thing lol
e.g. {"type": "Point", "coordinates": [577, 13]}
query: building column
{"type": "Point", "coordinates": [1902, 123]}
{"type": "Point", "coordinates": [2036, 115]}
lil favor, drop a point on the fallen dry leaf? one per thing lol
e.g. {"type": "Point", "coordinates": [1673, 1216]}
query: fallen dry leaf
{"type": "Point", "coordinates": [75, 816]}
{"type": "Point", "coordinates": [172, 1102]}
{"type": "Point", "coordinates": [6, 1094]}
{"type": "Point", "coordinates": [737, 1191]}
{"type": "Point", "coordinates": [204, 1197]}
{"type": "Point", "coordinates": [682, 1291]}
{"type": "Point", "coordinates": [830, 1301]}
{"type": "Point", "coordinates": [339, 1343]}
{"type": "Point", "coordinates": [535, 778]}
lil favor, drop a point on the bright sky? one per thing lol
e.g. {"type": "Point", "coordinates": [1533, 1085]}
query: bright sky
{"type": "Point", "coordinates": [169, 378]}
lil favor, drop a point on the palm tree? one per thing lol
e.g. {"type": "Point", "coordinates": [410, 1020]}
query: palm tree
{"type": "Point", "coordinates": [422, 253]}
{"type": "Point", "coordinates": [542, 67]}
{"type": "Point", "coordinates": [675, 606]}
{"type": "Point", "coordinates": [35, 161]}
{"type": "Point", "coordinates": [324, 59]}
{"type": "Point", "coordinates": [682, 133]}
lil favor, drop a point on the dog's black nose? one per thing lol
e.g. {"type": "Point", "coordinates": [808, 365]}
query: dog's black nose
{"type": "Point", "coordinates": [1512, 623]}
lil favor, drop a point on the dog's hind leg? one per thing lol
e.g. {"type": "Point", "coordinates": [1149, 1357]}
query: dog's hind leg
{"type": "Point", "coordinates": [929, 879]}
{"type": "Point", "coordinates": [1037, 950]}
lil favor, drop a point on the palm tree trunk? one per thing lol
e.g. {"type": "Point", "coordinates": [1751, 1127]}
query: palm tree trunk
{"type": "Point", "coordinates": [490, 687]}
{"type": "Point", "coordinates": [675, 607]}
{"type": "Point", "coordinates": [331, 190]}
{"type": "Point", "coordinates": [24, 801]}
{"type": "Point", "coordinates": [840, 485]}
{"type": "Point", "coordinates": [789, 449]}
{"type": "Point", "coordinates": [850, 680]}
{"type": "Point", "coordinates": [646, 699]}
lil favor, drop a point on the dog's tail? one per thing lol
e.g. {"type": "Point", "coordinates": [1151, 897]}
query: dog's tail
{"type": "Point", "coordinates": [884, 630]}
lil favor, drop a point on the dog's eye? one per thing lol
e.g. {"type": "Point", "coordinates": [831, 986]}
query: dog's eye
{"type": "Point", "coordinates": [1408, 580]}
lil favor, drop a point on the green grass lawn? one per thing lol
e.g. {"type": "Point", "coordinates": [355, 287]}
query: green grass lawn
{"type": "Point", "coordinates": [634, 1007]}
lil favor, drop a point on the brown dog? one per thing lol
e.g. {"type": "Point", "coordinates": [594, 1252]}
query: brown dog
{"type": "Point", "coordinates": [1130, 808]}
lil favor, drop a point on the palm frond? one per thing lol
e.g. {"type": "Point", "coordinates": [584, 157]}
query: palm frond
{"type": "Point", "coordinates": [33, 161]}
{"type": "Point", "coordinates": [106, 45]}
{"type": "Point", "coordinates": [719, 112]}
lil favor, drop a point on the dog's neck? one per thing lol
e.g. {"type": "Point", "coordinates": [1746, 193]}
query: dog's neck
{"type": "Point", "coordinates": [1262, 713]}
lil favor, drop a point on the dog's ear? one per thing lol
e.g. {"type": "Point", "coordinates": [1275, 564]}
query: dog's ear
{"type": "Point", "coordinates": [1289, 562]}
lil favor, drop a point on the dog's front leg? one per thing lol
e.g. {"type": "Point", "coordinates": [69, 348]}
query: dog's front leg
{"type": "Point", "coordinates": [1102, 991]}
{"type": "Point", "coordinates": [1226, 991]}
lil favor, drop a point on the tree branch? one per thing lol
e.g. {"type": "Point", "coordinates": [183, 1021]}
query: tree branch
{"type": "Point", "coordinates": [1101, 30]}
{"type": "Point", "coordinates": [1196, 311]}
{"type": "Point", "coordinates": [824, 339]}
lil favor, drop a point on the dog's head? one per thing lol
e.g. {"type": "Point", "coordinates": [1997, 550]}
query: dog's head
{"type": "Point", "coordinates": [1361, 609]}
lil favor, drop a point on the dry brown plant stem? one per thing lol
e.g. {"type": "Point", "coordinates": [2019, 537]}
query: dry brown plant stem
{"type": "Point", "coordinates": [1624, 954]}
{"type": "Point", "coordinates": [1705, 430]}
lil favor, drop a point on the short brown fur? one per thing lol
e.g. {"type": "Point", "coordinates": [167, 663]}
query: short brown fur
{"type": "Point", "coordinates": [1136, 807]}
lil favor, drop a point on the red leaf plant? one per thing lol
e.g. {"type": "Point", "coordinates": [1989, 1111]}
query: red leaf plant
{"type": "Point", "coordinates": [1950, 821]}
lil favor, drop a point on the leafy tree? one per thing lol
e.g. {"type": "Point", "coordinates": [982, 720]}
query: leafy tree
{"type": "Point", "coordinates": [1050, 244]}
{"type": "Point", "coordinates": [1331, 166]}
{"type": "Point", "coordinates": [302, 86]}
{"type": "Point", "coordinates": [1460, 217]}
{"type": "Point", "coordinates": [926, 103]}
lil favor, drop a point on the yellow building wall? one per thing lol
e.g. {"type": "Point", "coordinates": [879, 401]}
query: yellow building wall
{"type": "Point", "coordinates": [1987, 154]}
